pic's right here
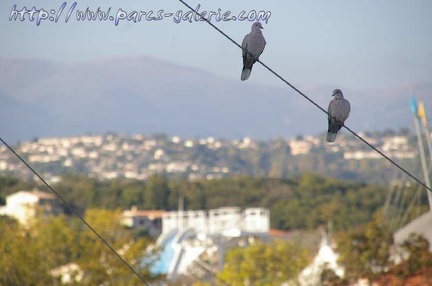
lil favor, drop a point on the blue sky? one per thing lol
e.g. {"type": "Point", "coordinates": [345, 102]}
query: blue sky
{"type": "Point", "coordinates": [345, 43]}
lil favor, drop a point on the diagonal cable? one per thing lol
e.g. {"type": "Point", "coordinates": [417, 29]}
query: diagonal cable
{"type": "Point", "coordinates": [76, 213]}
{"type": "Point", "coordinates": [311, 101]}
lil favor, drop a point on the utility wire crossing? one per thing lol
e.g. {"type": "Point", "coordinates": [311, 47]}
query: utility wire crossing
{"type": "Point", "coordinates": [311, 101]}
{"type": "Point", "coordinates": [76, 213]}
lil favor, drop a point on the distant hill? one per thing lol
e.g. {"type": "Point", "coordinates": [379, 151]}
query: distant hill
{"type": "Point", "coordinates": [146, 95]}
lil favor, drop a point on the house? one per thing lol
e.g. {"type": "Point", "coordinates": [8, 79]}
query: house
{"type": "Point", "coordinates": [148, 219]}
{"type": "Point", "coordinates": [26, 205]}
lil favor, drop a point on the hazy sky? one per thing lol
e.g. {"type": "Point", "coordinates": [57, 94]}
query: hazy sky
{"type": "Point", "coordinates": [347, 43]}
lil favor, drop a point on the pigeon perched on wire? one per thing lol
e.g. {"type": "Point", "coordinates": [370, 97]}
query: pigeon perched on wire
{"type": "Point", "coordinates": [253, 45]}
{"type": "Point", "coordinates": [338, 111]}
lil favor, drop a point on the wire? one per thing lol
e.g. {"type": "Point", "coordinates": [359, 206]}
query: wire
{"type": "Point", "coordinates": [310, 100]}
{"type": "Point", "coordinates": [75, 212]}
{"type": "Point", "coordinates": [269, 69]}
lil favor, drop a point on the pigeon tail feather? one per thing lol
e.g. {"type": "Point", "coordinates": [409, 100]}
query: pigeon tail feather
{"type": "Point", "coordinates": [245, 74]}
{"type": "Point", "coordinates": [331, 137]}
{"type": "Point", "coordinates": [248, 62]}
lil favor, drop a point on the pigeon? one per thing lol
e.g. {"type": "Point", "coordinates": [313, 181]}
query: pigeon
{"type": "Point", "coordinates": [253, 45]}
{"type": "Point", "coordinates": [338, 111]}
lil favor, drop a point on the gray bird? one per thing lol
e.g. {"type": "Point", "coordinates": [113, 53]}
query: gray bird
{"type": "Point", "coordinates": [338, 111]}
{"type": "Point", "coordinates": [253, 45]}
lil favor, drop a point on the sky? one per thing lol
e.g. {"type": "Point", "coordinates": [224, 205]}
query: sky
{"type": "Point", "coordinates": [346, 43]}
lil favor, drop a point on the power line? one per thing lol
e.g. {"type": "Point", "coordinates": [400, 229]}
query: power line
{"type": "Point", "coordinates": [310, 100]}
{"type": "Point", "coordinates": [76, 213]}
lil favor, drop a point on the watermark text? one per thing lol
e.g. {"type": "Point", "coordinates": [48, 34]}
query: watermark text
{"type": "Point", "coordinates": [66, 13]}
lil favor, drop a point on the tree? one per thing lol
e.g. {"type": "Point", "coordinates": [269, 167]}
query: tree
{"type": "Point", "coordinates": [419, 256]}
{"type": "Point", "coordinates": [20, 261]}
{"type": "Point", "coordinates": [9, 185]}
{"type": "Point", "coordinates": [365, 251]}
{"type": "Point", "coordinates": [132, 195]}
{"type": "Point", "coordinates": [55, 240]}
{"type": "Point", "coordinates": [416, 266]}
{"type": "Point", "coordinates": [81, 192]}
{"type": "Point", "coordinates": [263, 264]}
{"type": "Point", "coordinates": [156, 193]}
{"type": "Point", "coordinates": [98, 262]}
{"type": "Point", "coordinates": [29, 254]}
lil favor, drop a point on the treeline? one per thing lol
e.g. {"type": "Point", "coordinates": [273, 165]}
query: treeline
{"type": "Point", "coordinates": [303, 202]}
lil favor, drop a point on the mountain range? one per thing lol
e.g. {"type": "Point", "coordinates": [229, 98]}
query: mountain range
{"type": "Point", "coordinates": [141, 95]}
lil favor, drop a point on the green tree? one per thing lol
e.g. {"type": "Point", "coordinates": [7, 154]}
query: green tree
{"type": "Point", "coordinates": [55, 240]}
{"type": "Point", "coordinates": [81, 192]}
{"type": "Point", "coordinates": [156, 193]}
{"type": "Point", "coordinates": [9, 185]}
{"type": "Point", "coordinates": [21, 262]}
{"type": "Point", "coordinates": [263, 264]}
{"type": "Point", "coordinates": [132, 195]}
{"type": "Point", "coordinates": [29, 254]}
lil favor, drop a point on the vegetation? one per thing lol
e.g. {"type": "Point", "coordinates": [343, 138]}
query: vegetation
{"type": "Point", "coordinates": [303, 202]}
{"type": "Point", "coordinates": [369, 252]}
{"type": "Point", "coordinates": [365, 251]}
{"type": "Point", "coordinates": [306, 202]}
{"type": "Point", "coordinates": [31, 253]}
{"type": "Point", "coordinates": [263, 264]}
{"type": "Point", "coordinates": [416, 269]}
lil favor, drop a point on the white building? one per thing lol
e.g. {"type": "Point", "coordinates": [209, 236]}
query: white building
{"type": "Point", "coordinates": [189, 235]}
{"type": "Point", "coordinates": [216, 221]}
{"type": "Point", "coordinates": [26, 205]}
